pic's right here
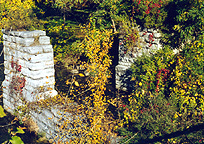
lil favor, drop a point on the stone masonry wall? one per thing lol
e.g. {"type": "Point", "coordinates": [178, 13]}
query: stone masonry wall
{"type": "Point", "coordinates": [29, 77]}
{"type": "Point", "coordinates": [149, 42]}
{"type": "Point", "coordinates": [29, 65]}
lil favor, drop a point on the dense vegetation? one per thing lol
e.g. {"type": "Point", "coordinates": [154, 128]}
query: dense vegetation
{"type": "Point", "coordinates": [168, 97]}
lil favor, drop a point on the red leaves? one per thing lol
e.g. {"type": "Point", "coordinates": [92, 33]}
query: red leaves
{"type": "Point", "coordinates": [12, 64]}
{"type": "Point", "coordinates": [124, 106]}
{"type": "Point", "coordinates": [166, 72]}
{"type": "Point", "coordinates": [19, 68]}
{"type": "Point", "coordinates": [133, 37]}
{"type": "Point", "coordinates": [156, 5]}
{"type": "Point", "coordinates": [151, 39]}
{"type": "Point", "coordinates": [151, 36]}
{"type": "Point", "coordinates": [152, 7]}
{"type": "Point", "coordinates": [147, 11]}
{"type": "Point", "coordinates": [154, 108]}
{"type": "Point", "coordinates": [145, 33]}
{"type": "Point", "coordinates": [16, 66]}
{"type": "Point", "coordinates": [18, 83]}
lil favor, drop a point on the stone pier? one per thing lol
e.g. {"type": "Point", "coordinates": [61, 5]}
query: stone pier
{"type": "Point", "coordinates": [149, 42]}
{"type": "Point", "coordinates": [29, 77]}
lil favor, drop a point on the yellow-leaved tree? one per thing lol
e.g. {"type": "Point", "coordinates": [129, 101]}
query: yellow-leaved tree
{"type": "Point", "coordinates": [91, 112]}
{"type": "Point", "coordinates": [85, 102]}
{"type": "Point", "coordinates": [17, 15]}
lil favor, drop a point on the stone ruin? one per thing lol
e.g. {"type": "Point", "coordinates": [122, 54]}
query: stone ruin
{"type": "Point", "coordinates": [29, 72]}
{"type": "Point", "coordinates": [149, 42]}
{"type": "Point", "coordinates": [29, 77]}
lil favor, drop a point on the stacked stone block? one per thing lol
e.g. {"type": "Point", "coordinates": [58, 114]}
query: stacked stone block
{"type": "Point", "coordinates": [149, 42]}
{"type": "Point", "coordinates": [29, 56]}
{"type": "Point", "coordinates": [29, 76]}
{"type": "Point", "coordinates": [48, 121]}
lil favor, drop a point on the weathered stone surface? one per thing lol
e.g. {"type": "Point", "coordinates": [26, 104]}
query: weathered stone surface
{"type": "Point", "coordinates": [29, 74]}
{"type": "Point", "coordinates": [33, 50]}
{"type": "Point", "coordinates": [48, 121]}
{"type": "Point", "coordinates": [36, 75]}
{"type": "Point", "coordinates": [38, 57]}
{"type": "Point", "coordinates": [157, 35]}
{"type": "Point", "coordinates": [44, 40]}
{"type": "Point", "coordinates": [24, 34]}
{"type": "Point", "coordinates": [149, 43]}
{"type": "Point", "coordinates": [28, 34]}
{"type": "Point", "coordinates": [47, 48]}
{"type": "Point", "coordinates": [24, 41]}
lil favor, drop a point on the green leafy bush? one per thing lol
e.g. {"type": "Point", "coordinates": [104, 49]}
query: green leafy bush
{"type": "Point", "coordinates": [148, 116]}
{"type": "Point", "coordinates": [148, 110]}
{"type": "Point", "coordinates": [18, 130]}
{"type": "Point", "coordinates": [188, 78]}
{"type": "Point", "coordinates": [152, 71]}
{"type": "Point", "coordinates": [168, 95]}
{"type": "Point", "coordinates": [184, 22]}
{"type": "Point", "coordinates": [63, 37]}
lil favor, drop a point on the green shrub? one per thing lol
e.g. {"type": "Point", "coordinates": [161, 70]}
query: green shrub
{"type": "Point", "coordinates": [188, 78]}
{"type": "Point", "coordinates": [184, 22]}
{"type": "Point", "coordinates": [168, 95]}
{"type": "Point", "coordinates": [63, 37]}
{"type": "Point", "coordinates": [148, 116]}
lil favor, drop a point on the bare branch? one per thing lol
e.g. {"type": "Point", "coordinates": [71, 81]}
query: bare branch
{"type": "Point", "coordinates": [130, 138]}
{"type": "Point", "coordinates": [8, 124]}
{"type": "Point", "coordinates": [2, 52]}
{"type": "Point", "coordinates": [70, 85]}
{"type": "Point", "coordinates": [114, 25]}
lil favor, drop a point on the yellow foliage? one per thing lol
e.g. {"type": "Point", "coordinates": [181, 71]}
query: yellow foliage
{"type": "Point", "coordinates": [76, 83]}
{"type": "Point", "coordinates": [17, 15]}
{"type": "Point", "coordinates": [88, 117]}
{"type": "Point", "coordinates": [188, 92]}
{"type": "Point", "coordinates": [81, 75]}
